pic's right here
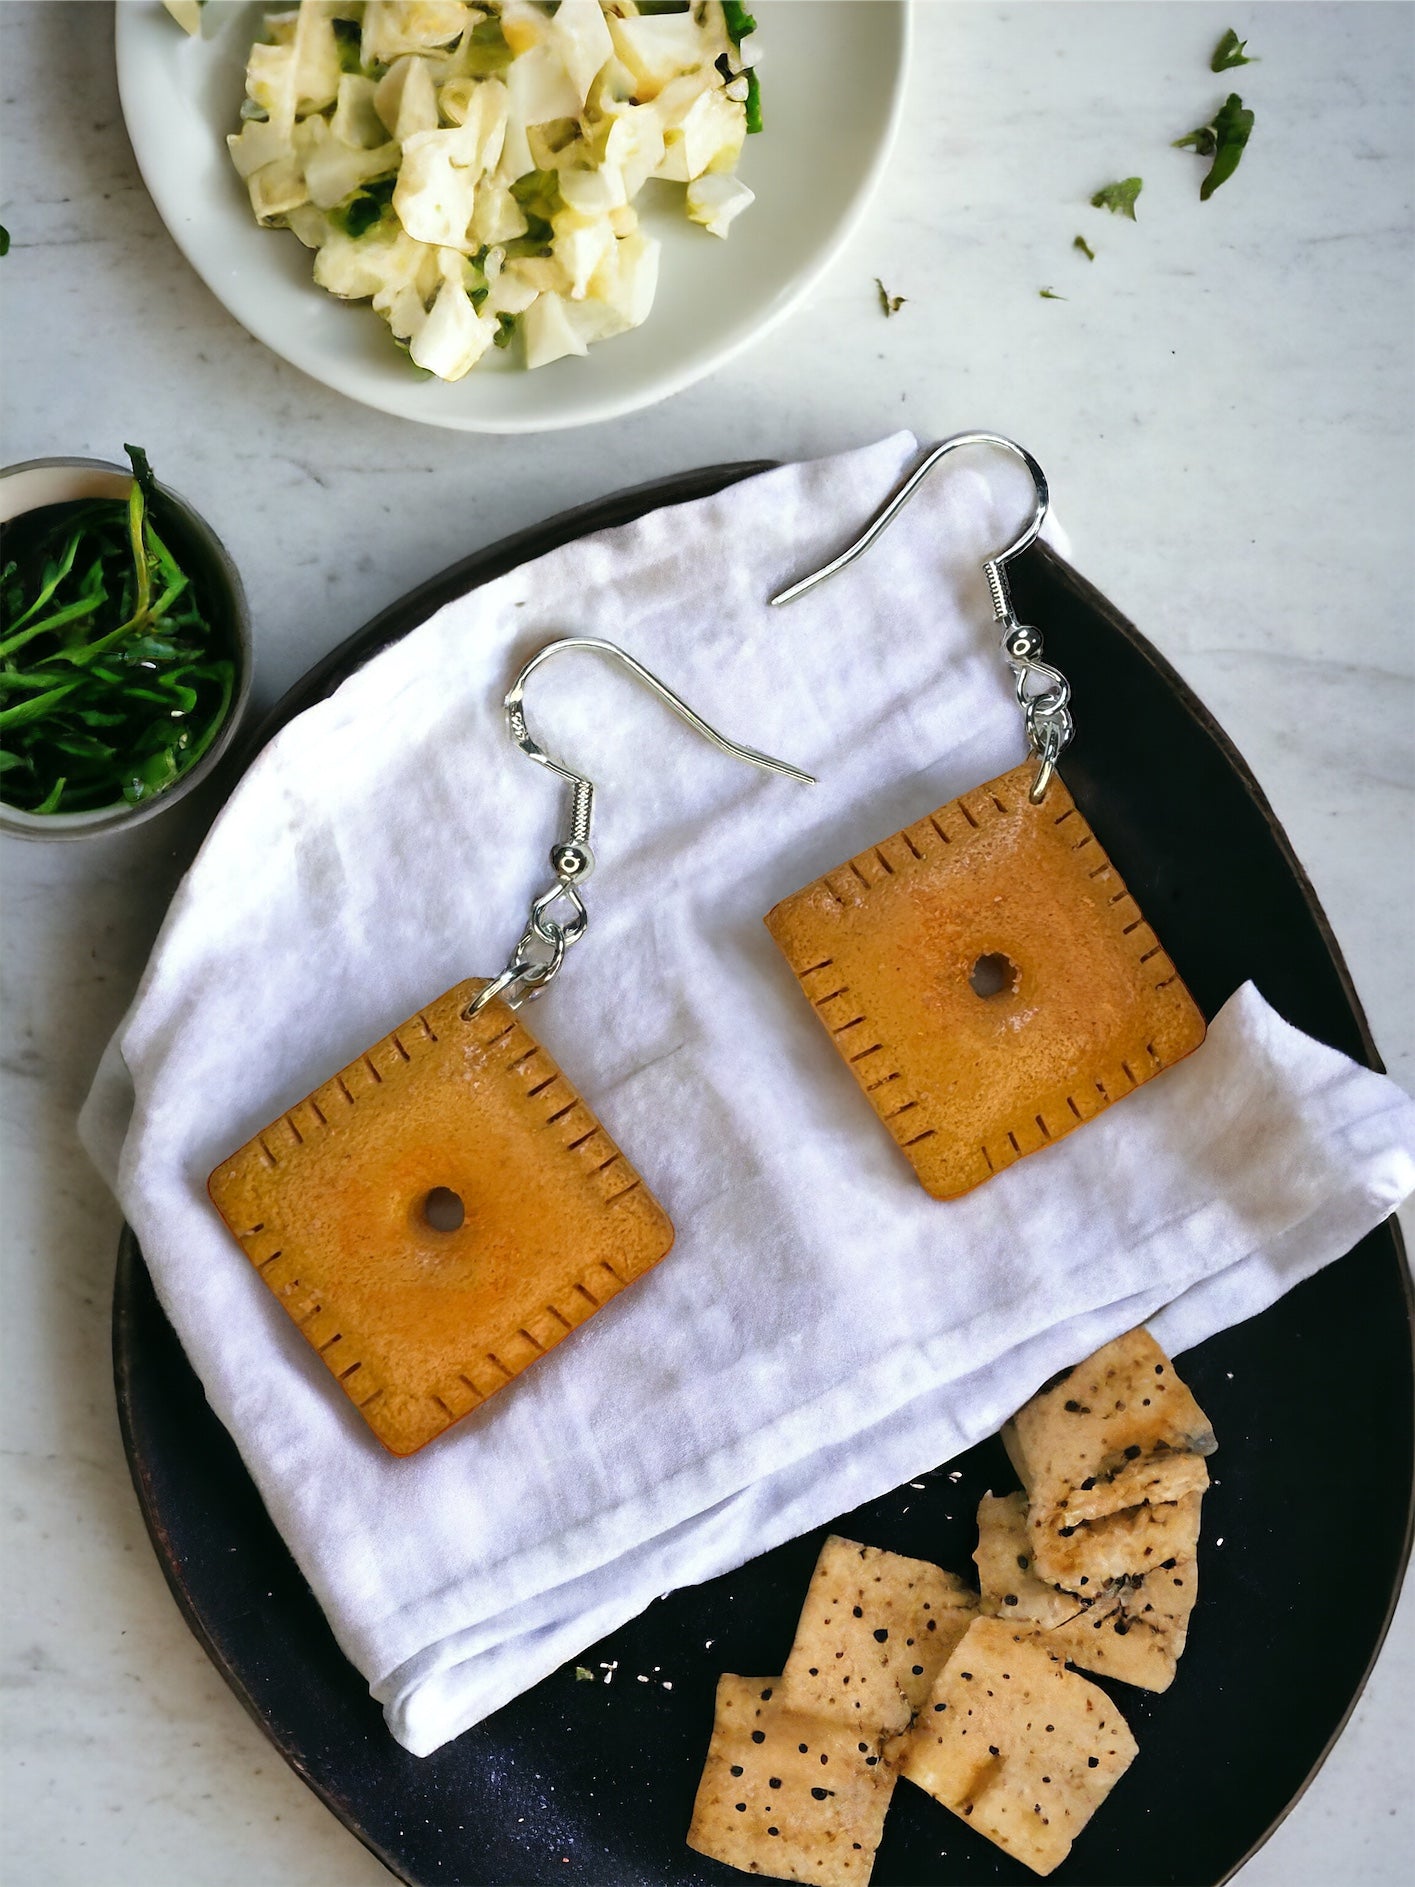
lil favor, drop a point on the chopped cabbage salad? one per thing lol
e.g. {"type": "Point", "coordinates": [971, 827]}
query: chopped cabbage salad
{"type": "Point", "coordinates": [473, 170]}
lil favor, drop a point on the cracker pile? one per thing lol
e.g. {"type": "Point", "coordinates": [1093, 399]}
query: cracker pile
{"type": "Point", "coordinates": [1108, 1452]}
{"type": "Point", "coordinates": [797, 1778]}
{"type": "Point", "coordinates": [899, 1669]}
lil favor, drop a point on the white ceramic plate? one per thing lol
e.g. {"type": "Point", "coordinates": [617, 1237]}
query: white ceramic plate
{"type": "Point", "coordinates": [832, 88]}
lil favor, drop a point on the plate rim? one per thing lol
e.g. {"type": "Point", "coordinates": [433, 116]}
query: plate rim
{"type": "Point", "coordinates": [407, 613]}
{"type": "Point", "coordinates": [128, 24]}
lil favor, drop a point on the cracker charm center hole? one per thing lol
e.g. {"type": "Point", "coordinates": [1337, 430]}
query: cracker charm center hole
{"type": "Point", "coordinates": [993, 975]}
{"type": "Point", "coordinates": [443, 1209]}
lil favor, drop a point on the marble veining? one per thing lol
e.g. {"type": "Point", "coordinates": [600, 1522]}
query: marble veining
{"type": "Point", "coordinates": [1223, 400]}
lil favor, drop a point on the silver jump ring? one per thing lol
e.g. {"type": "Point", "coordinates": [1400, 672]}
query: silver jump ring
{"type": "Point", "coordinates": [489, 991]}
{"type": "Point", "coordinates": [522, 974]}
{"type": "Point", "coordinates": [571, 932]}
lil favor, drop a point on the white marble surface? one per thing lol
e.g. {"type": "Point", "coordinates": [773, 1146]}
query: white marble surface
{"type": "Point", "coordinates": [1224, 403]}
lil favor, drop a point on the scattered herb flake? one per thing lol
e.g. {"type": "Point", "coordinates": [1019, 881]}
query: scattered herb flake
{"type": "Point", "coordinates": [1119, 198]}
{"type": "Point", "coordinates": [505, 330]}
{"type": "Point", "coordinates": [890, 304]}
{"type": "Point", "coordinates": [364, 208]}
{"type": "Point", "coordinates": [1224, 141]}
{"type": "Point", "coordinates": [1086, 250]}
{"type": "Point", "coordinates": [1201, 141]}
{"type": "Point", "coordinates": [582, 1676]}
{"type": "Point", "coordinates": [4, 240]}
{"type": "Point", "coordinates": [1050, 294]}
{"type": "Point", "coordinates": [1230, 51]}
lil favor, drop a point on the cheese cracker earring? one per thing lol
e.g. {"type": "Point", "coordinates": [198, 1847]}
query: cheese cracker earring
{"type": "Point", "coordinates": [440, 1213]}
{"type": "Point", "coordinates": [987, 978]}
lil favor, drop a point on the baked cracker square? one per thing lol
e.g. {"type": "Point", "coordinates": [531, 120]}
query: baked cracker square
{"type": "Point", "coordinates": [988, 979]}
{"type": "Point", "coordinates": [1120, 1428]}
{"type": "Point", "coordinates": [786, 1793]}
{"type": "Point", "coordinates": [874, 1630]}
{"type": "Point", "coordinates": [1016, 1745]}
{"type": "Point", "coordinates": [419, 1326]}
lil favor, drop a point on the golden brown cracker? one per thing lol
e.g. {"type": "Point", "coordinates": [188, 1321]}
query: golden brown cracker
{"type": "Point", "coordinates": [887, 948]}
{"type": "Point", "coordinates": [874, 1629]}
{"type": "Point", "coordinates": [1016, 1745]}
{"type": "Point", "coordinates": [786, 1793]}
{"type": "Point", "coordinates": [1118, 1429]}
{"type": "Point", "coordinates": [1134, 1628]}
{"type": "Point", "coordinates": [420, 1326]}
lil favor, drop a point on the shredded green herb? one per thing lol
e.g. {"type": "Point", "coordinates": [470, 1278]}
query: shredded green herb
{"type": "Point", "coordinates": [754, 100]}
{"type": "Point", "coordinates": [1202, 142]}
{"type": "Point", "coordinates": [1079, 242]}
{"type": "Point", "coordinates": [736, 19]}
{"type": "Point", "coordinates": [1050, 294]}
{"type": "Point", "coordinates": [113, 680]}
{"type": "Point", "coordinates": [348, 36]}
{"type": "Point", "coordinates": [582, 1676]}
{"type": "Point", "coordinates": [1118, 198]}
{"type": "Point", "coordinates": [365, 208]}
{"type": "Point", "coordinates": [4, 240]}
{"type": "Point", "coordinates": [538, 193]}
{"type": "Point", "coordinates": [505, 330]}
{"type": "Point", "coordinates": [1230, 51]}
{"type": "Point", "coordinates": [485, 50]}
{"type": "Point", "coordinates": [1224, 140]}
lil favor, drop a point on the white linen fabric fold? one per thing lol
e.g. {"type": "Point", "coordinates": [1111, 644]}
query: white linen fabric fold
{"type": "Point", "coordinates": [821, 1330]}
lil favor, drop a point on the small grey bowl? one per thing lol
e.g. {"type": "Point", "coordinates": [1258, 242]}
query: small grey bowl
{"type": "Point", "coordinates": [40, 482]}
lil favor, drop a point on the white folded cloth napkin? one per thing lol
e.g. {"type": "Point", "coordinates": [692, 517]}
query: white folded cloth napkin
{"type": "Point", "coordinates": [822, 1330]}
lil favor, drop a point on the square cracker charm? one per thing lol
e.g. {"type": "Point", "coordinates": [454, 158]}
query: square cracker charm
{"type": "Point", "coordinates": [439, 1215]}
{"type": "Point", "coordinates": [988, 980]}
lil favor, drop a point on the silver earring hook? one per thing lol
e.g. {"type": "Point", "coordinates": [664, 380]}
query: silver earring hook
{"type": "Point", "coordinates": [582, 786]}
{"type": "Point", "coordinates": [1043, 693]}
{"type": "Point", "coordinates": [538, 956]}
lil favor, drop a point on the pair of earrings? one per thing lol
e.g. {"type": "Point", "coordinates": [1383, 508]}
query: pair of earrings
{"type": "Point", "coordinates": [440, 1213]}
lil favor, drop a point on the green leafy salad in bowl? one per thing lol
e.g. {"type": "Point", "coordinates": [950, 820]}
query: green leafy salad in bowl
{"type": "Point", "coordinates": [473, 170]}
{"type": "Point", "coordinates": [123, 646]}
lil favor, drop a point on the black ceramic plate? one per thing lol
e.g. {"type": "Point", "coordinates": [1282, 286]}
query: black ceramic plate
{"type": "Point", "coordinates": [1312, 1403]}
